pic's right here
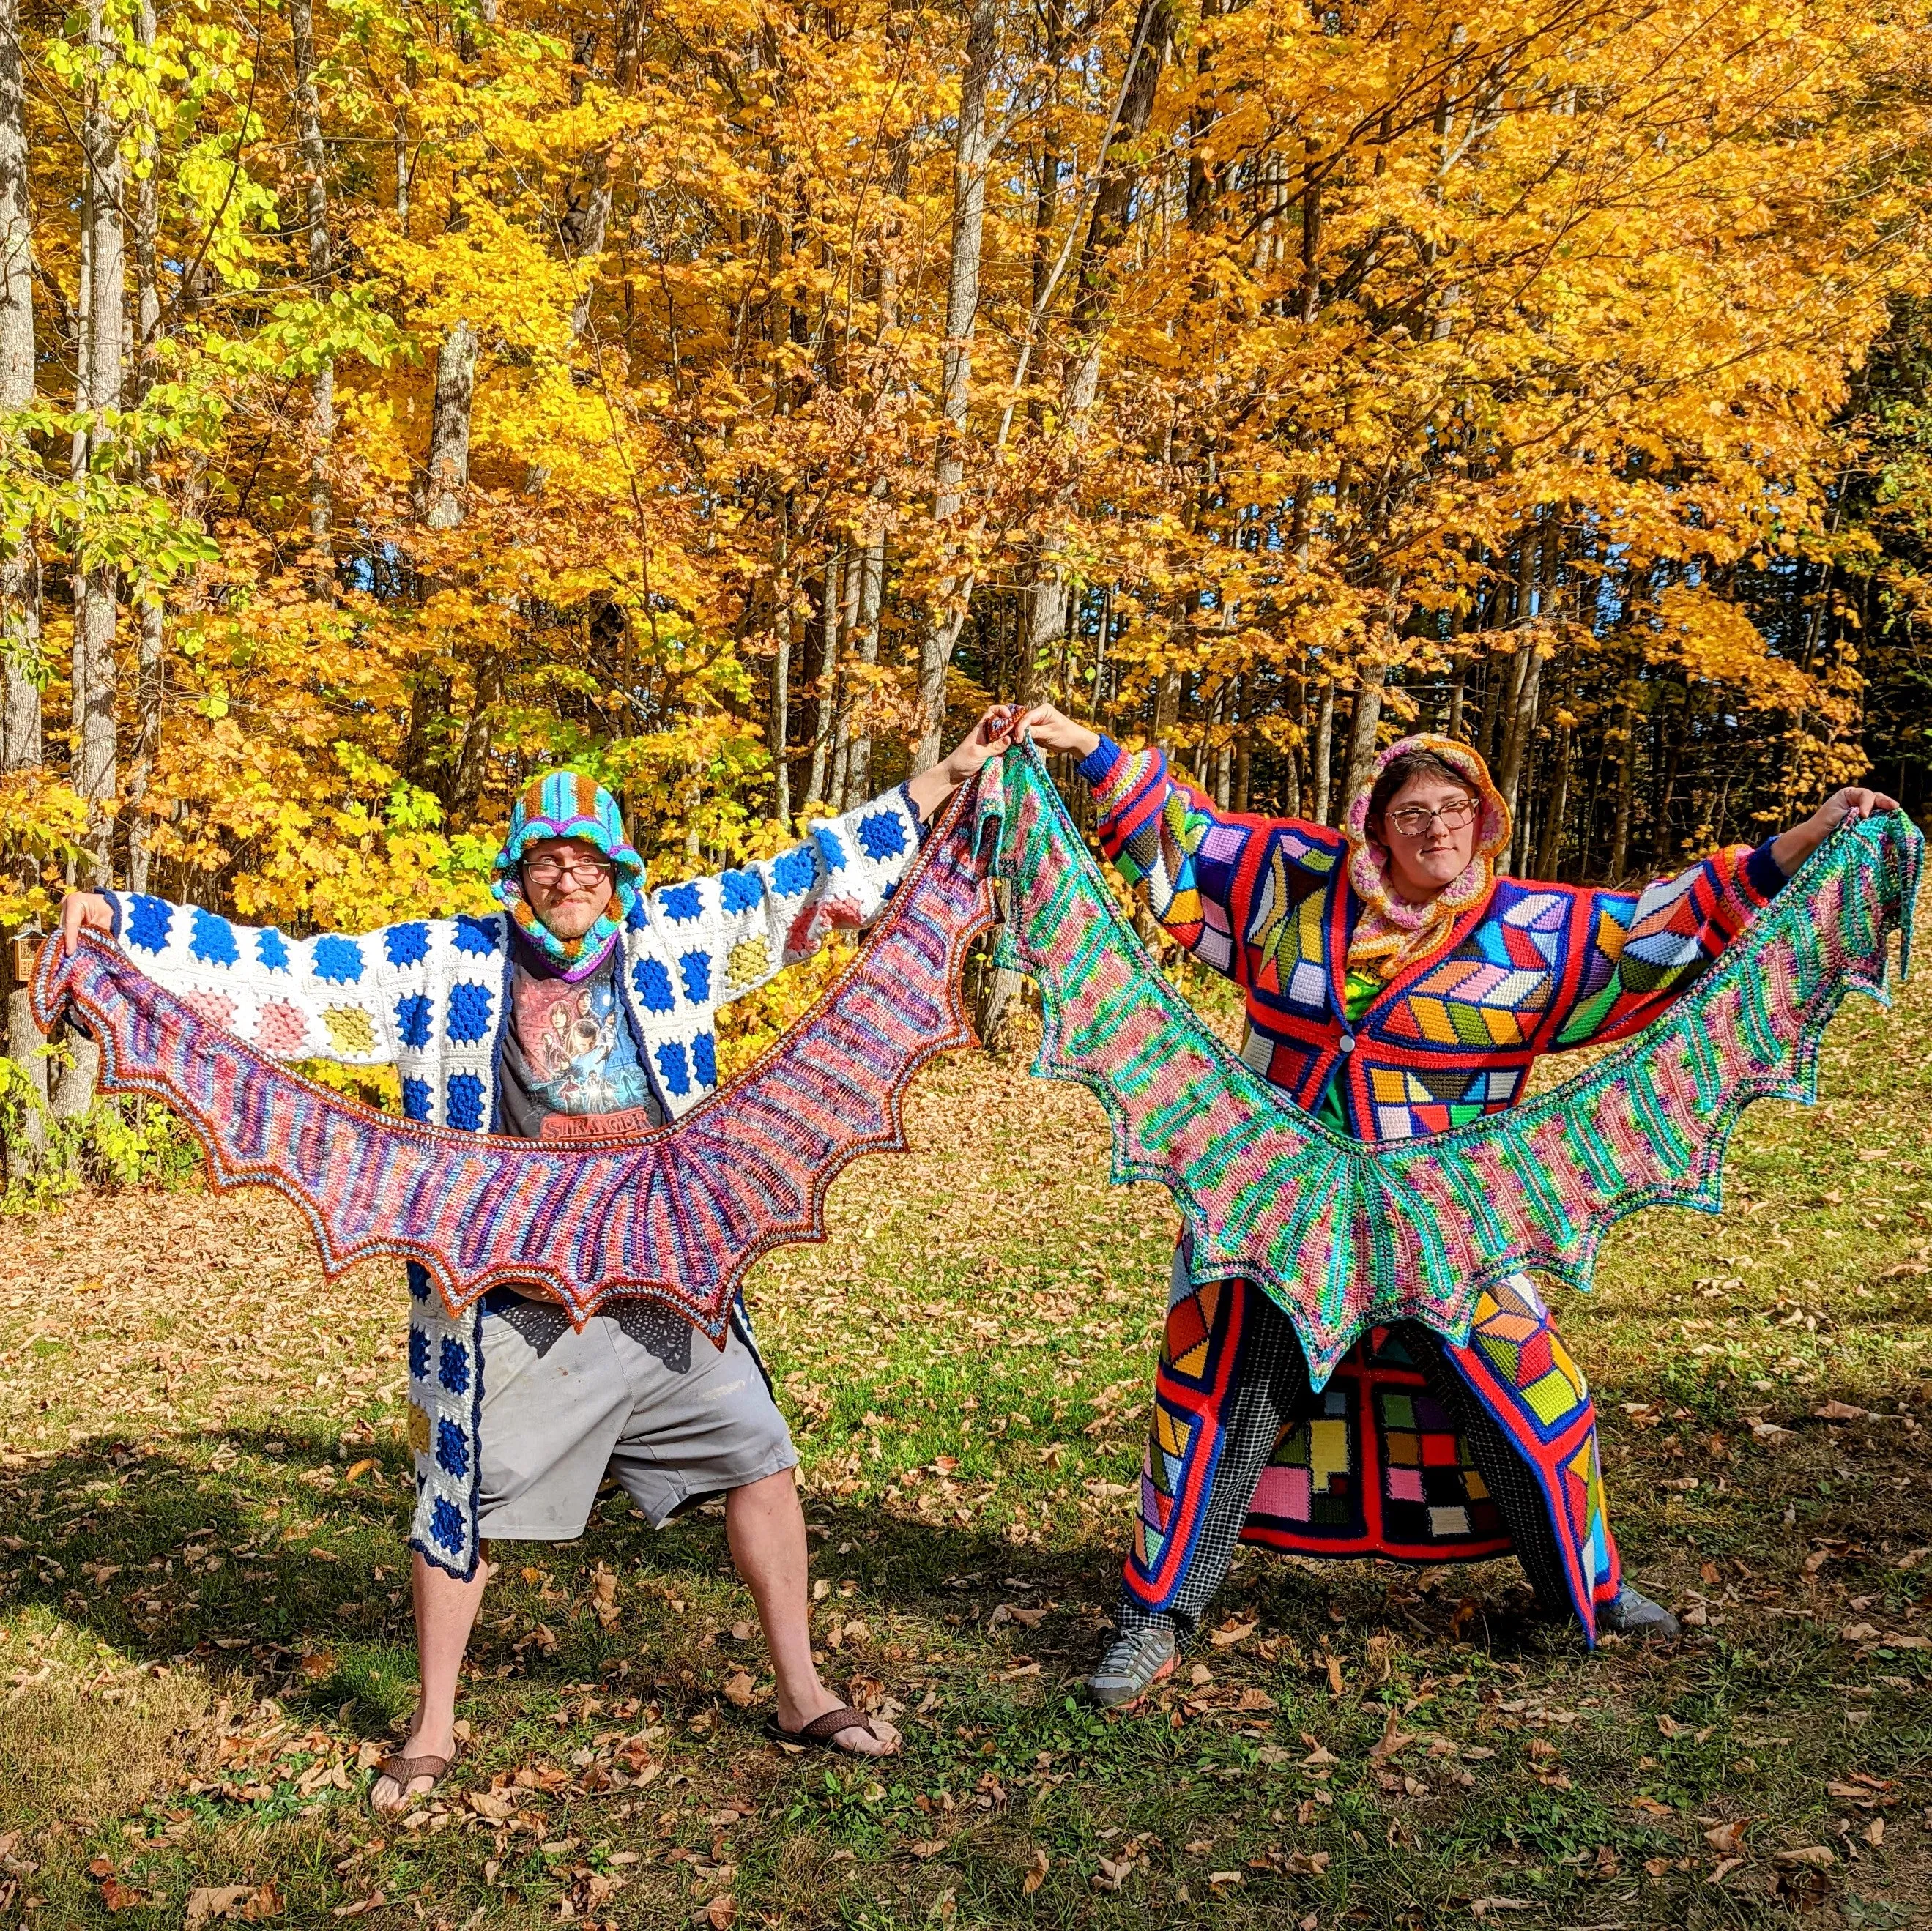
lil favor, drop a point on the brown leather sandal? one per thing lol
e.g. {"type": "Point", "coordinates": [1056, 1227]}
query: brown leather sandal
{"type": "Point", "coordinates": [821, 1730]}
{"type": "Point", "coordinates": [403, 1771]}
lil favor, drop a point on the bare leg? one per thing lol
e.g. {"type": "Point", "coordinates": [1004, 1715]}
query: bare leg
{"type": "Point", "coordinates": [445, 1609]}
{"type": "Point", "coordinates": [765, 1528]}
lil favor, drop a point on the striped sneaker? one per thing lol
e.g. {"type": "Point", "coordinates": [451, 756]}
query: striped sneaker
{"type": "Point", "coordinates": [1136, 1660]}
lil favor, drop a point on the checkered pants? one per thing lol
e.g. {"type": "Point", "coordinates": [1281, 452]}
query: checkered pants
{"type": "Point", "coordinates": [1267, 1392]}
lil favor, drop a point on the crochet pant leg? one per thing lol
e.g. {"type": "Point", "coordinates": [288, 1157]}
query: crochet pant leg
{"type": "Point", "coordinates": [1251, 1383]}
{"type": "Point", "coordinates": [1519, 1497]}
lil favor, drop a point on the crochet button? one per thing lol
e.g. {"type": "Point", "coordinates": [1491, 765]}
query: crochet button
{"type": "Point", "coordinates": [1348, 1043]}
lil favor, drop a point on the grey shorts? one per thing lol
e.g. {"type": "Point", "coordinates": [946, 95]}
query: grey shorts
{"type": "Point", "coordinates": [638, 1394]}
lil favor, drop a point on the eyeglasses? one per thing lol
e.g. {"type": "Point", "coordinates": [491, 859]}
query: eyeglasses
{"type": "Point", "coordinates": [550, 870]}
{"type": "Point", "coordinates": [1412, 820]}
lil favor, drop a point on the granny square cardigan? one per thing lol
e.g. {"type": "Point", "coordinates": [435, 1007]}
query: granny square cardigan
{"type": "Point", "coordinates": [1532, 968]}
{"type": "Point", "coordinates": [432, 998]}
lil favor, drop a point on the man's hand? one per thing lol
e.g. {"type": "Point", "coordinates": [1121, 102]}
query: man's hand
{"type": "Point", "coordinates": [987, 739]}
{"type": "Point", "coordinates": [1056, 731]}
{"type": "Point", "coordinates": [83, 908]}
{"type": "Point", "coordinates": [1847, 807]}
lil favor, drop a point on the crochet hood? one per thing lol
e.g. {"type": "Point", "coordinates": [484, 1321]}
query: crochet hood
{"type": "Point", "coordinates": [1392, 933]}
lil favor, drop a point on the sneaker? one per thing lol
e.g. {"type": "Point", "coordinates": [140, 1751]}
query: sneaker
{"type": "Point", "coordinates": [1136, 1660]}
{"type": "Point", "coordinates": [1631, 1613]}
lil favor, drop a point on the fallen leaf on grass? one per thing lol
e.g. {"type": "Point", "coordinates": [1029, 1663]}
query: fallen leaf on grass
{"type": "Point", "coordinates": [249, 1903]}
{"type": "Point", "coordinates": [119, 1896]}
{"type": "Point", "coordinates": [718, 1915]}
{"type": "Point", "coordinates": [1036, 1872]}
{"type": "Point", "coordinates": [1839, 1411]}
{"type": "Point", "coordinates": [1308, 1863]}
{"type": "Point", "coordinates": [1391, 1743]}
{"type": "Point", "coordinates": [1811, 1856]}
{"type": "Point", "coordinates": [1113, 1873]}
{"type": "Point", "coordinates": [1727, 1839]}
{"type": "Point", "coordinates": [740, 1690]}
{"type": "Point", "coordinates": [374, 1901]}
{"type": "Point", "coordinates": [1648, 1806]}
{"type": "Point", "coordinates": [1232, 1632]}
{"type": "Point", "coordinates": [928, 1847]}
{"type": "Point", "coordinates": [1481, 1907]}
{"type": "Point", "coordinates": [356, 1471]}
{"type": "Point", "coordinates": [1219, 1880]}
{"type": "Point", "coordinates": [1724, 1870]}
{"type": "Point", "coordinates": [494, 1804]}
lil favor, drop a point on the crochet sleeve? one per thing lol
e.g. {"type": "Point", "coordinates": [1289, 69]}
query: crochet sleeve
{"type": "Point", "coordinates": [1642, 950]}
{"type": "Point", "coordinates": [1173, 843]}
{"type": "Point", "coordinates": [732, 933]}
{"type": "Point", "coordinates": [329, 997]}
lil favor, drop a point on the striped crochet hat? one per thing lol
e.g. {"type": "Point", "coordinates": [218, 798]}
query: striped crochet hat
{"type": "Point", "coordinates": [567, 804]}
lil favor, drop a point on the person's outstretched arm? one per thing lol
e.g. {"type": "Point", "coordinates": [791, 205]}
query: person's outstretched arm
{"type": "Point", "coordinates": [330, 997]}
{"type": "Point", "coordinates": [733, 932]}
{"type": "Point", "coordinates": [1172, 842]}
{"type": "Point", "coordinates": [1645, 950]}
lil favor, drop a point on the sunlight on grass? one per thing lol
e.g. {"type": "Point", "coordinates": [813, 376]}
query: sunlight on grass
{"type": "Point", "coordinates": [204, 1494]}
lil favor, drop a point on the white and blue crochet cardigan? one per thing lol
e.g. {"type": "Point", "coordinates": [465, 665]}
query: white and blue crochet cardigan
{"type": "Point", "coordinates": [432, 998]}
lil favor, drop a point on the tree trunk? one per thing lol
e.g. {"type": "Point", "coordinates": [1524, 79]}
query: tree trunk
{"type": "Point", "coordinates": [779, 724]}
{"type": "Point", "coordinates": [1556, 807]}
{"type": "Point", "coordinates": [1364, 722]}
{"type": "Point", "coordinates": [1626, 781]}
{"type": "Point", "coordinates": [1106, 228]}
{"type": "Point", "coordinates": [147, 608]}
{"type": "Point", "coordinates": [584, 230]}
{"type": "Point", "coordinates": [865, 651]}
{"type": "Point", "coordinates": [1323, 757]}
{"type": "Point", "coordinates": [827, 710]}
{"type": "Point", "coordinates": [322, 384]}
{"type": "Point", "coordinates": [1526, 676]}
{"type": "Point", "coordinates": [20, 567]}
{"type": "Point", "coordinates": [972, 153]}
{"type": "Point", "coordinates": [96, 680]}
{"type": "Point", "coordinates": [449, 429]}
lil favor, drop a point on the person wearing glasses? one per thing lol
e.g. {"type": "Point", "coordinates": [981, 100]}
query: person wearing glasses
{"type": "Point", "coordinates": [1395, 985]}
{"type": "Point", "coordinates": [587, 995]}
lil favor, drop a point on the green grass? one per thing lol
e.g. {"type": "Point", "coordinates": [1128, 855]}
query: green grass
{"type": "Point", "coordinates": [965, 1364]}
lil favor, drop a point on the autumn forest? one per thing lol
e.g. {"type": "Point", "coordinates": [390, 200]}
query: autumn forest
{"type": "Point", "coordinates": [396, 399]}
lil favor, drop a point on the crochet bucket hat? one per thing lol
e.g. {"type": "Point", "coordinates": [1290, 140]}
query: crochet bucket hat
{"type": "Point", "coordinates": [567, 804]}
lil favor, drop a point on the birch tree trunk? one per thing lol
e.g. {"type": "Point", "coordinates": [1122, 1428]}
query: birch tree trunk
{"type": "Point", "coordinates": [1323, 755]}
{"type": "Point", "coordinates": [449, 429]}
{"type": "Point", "coordinates": [96, 680]}
{"type": "Point", "coordinates": [20, 567]}
{"type": "Point", "coordinates": [1106, 228]}
{"type": "Point", "coordinates": [972, 153]}
{"type": "Point", "coordinates": [322, 384]}
{"type": "Point", "coordinates": [147, 607]}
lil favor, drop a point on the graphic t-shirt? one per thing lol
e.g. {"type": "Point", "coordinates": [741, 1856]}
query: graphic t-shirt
{"type": "Point", "coordinates": [568, 1049]}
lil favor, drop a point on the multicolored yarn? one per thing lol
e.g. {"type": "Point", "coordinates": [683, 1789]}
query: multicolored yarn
{"type": "Point", "coordinates": [1344, 1234]}
{"type": "Point", "coordinates": [679, 1215]}
{"type": "Point", "coordinates": [567, 804]}
{"type": "Point", "coordinates": [1390, 931]}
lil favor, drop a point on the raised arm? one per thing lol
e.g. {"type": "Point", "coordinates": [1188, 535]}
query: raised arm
{"type": "Point", "coordinates": [328, 998]}
{"type": "Point", "coordinates": [1166, 838]}
{"type": "Point", "coordinates": [734, 931]}
{"type": "Point", "coordinates": [1641, 951]}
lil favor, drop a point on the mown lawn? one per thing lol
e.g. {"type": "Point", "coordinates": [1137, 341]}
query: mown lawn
{"type": "Point", "coordinates": [204, 1636]}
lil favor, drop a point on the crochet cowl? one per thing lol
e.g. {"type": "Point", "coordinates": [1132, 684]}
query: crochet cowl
{"type": "Point", "coordinates": [567, 804]}
{"type": "Point", "coordinates": [1391, 933]}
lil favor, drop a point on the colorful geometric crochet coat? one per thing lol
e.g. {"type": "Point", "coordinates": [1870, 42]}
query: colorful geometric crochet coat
{"type": "Point", "coordinates": [1531, 968]}
{"type": "Point", "coordinates": [432, 998]}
